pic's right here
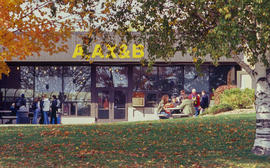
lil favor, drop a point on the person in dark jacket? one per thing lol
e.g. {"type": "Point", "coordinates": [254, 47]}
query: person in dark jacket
{"type": "Point", "coordinates": [204, 101]}
{"type": "Point", "coordinates": [41, 121]}
{"type": "Point", "coordinates": [54, 110]}
{"type": "Point", "coordinates": [20, 102]}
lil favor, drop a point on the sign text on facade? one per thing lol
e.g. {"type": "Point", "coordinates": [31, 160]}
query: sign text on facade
{"type": "Point", "coordinates": [124, 53]}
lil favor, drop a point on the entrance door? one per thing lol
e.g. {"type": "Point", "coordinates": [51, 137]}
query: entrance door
{"type": "Point", "coordinates": [111, 105]}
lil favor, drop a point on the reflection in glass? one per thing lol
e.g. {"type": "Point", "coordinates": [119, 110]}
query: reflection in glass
{"type": "Point", "coordinates": [77, 83]}
{"type": "Point", "coordinates": [20, 81]}
{"type": "Point", "coordinates": [48, 80]}
{"type": "Point", "coordinates": [112, 76]}
{"type": "Point", "coordinates": [83, 109]}
{"type": "Point", "coordinates": [103, 105]}
{"type": "Point", "coordinates": [194, 80]}
{"type": "Point", "coordinates": [144, 80]}
{"type": "Point", "coordinates": [151, 100]}
{"type": "Point", "coordinates": [218, 76]}
{"type": "Point", "coordinates": [171, 79]}
{"type": "Point", "coordinates": [119, 105]}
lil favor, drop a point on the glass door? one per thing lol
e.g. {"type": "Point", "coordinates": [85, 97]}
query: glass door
{"type": "Point", "coordinates": [104, 105]}
{"type": "Point", "coordinates": [111, 105]}
{"type": "Point", "coordinates": [119, 109]}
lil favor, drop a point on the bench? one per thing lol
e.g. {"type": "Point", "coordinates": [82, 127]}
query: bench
{"type": "Point", "coordinates": [8, 117]}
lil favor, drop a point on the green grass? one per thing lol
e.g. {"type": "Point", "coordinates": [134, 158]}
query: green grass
{"type": "Point", "coordinates": [218, 141]}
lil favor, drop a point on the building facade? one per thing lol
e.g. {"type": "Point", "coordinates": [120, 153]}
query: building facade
{"type": "Point", "coordinates": [108, 90]}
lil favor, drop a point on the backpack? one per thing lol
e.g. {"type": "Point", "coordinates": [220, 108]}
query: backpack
{"type": "Point", "coordinates": [194, 99]}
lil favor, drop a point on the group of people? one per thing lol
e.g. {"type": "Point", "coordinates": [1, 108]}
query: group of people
{"type": "Point", "coordinates": [46, 108]}
{"type": "Point", "coordinates": [43, 107]}
{"type": "Point", "coordinates": [192, 104]}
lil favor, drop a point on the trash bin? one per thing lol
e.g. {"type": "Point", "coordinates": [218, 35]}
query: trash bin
{"type": "Point", "coordinates": [58, 117]}
{"type": "Point", "coordinates": [22, 116]}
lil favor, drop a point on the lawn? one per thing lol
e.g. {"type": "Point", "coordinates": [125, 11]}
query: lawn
{"type": "Point", "coordinates": [213, 141]}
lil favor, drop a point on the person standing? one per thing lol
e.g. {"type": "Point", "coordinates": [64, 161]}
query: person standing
{"type": "Point", "coordinates": [204, 101]}
{"type": "Point", "coordinates": [21, 101]}
{"type": "Point", "coordinates": [36, 108]}
{"type": "Point", "coordinates": [46, 109]}
{"type": "Point", "coordinates": [196, 101]}
{"type": "Point", "coordinates": [41, 102]}
{"type": "Point", "coordinates": [54, 110]}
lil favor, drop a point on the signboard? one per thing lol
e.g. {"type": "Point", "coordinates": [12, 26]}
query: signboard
{"type": "Point", "coordinates": [138, 99]}
{"type": "Point", "coordinates": [123, 52]}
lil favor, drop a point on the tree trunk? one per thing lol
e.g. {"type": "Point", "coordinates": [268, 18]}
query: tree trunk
{"type": "Point", "coordinates": [262, 104]}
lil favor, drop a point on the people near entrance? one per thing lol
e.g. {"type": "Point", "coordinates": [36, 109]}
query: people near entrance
{"type": "Point", "coordinates": [192, 104]}
{"type": "Point", "coordinates": [46, 109]}
{"type": "Point", "coordinates": [106, 103]}
{"type": "Point", "coordinates": [54, 110]}
{"type": "Point", "coordinates": [196, 101]}
{"type": "Point", "coordinates": [187, 106]}
{"type": "Point", "coordinates": [204, 101]}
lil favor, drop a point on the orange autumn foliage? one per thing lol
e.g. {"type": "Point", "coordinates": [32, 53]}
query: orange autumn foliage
{"type": "Point", "coordinates": [27, 27]}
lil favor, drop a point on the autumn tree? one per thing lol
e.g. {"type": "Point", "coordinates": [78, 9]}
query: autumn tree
{"type": "Point", "coordinates": [28, 27]}
{"type": "Point", "coordinates": [235, 29]}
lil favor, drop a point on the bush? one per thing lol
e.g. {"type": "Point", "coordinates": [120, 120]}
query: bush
{"type": "Point", "coordinates": [220, 90]}
{"type": "Point", "coordinates": [218, 109]}
{"type": "Point", "coordinates": [238, 98]}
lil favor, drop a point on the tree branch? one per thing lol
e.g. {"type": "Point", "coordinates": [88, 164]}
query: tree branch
{"type": "Point", "coordinates": [243, 65]}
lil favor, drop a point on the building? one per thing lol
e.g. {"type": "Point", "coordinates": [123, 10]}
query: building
{"type": "Point", "coordinates": [108, 90]}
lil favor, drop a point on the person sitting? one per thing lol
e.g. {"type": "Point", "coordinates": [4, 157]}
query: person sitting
{"type": "Point", "coordinates": [162, 107]}
{"type": "Point", "coordinates": [181, 96]}
{"type": "Point", "coordinates": [175, 104]}
{"type": "Point", "coordinates": [187, 106]}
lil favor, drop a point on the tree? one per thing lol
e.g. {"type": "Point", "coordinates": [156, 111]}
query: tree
{"type": "Point", "coordinates": [214, 28]}
{"type": "Point", "coordinates": [29, 27]}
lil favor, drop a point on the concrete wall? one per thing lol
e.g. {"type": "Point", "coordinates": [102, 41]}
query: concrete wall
{"type": "Point", "coordinates": [244, 80]}
{"type": "Point", "coordinates": [142, 114]}
{"type": "Point", "coordinates": [77, 120]}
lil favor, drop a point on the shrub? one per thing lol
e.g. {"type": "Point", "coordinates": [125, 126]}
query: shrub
{"type": "Point", "coordinates": [220, 90]}
{"type": "Point", "coordinates": [238, 98]}
{"type": "Point", "coordinates": [218, 109]}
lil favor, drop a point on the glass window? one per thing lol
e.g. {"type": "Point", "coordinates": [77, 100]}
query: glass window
{"type": "Point", "coordinates": [171, 79]}
{"type": "Point", "coordinates": [194, 80]}
{"type": "Point", "coordinates": [77, 83]}
{"type": "Point", "coordinates": [77, 90]}
{"type": "Point", "coordinates": [218, 75]}
{"type": "Point", "coordinates": [20, 81]}
{"type": "Point", "coordinates": [48, 80]}
{"type": "Point", "coordinates": [151, 99]}
{"type": "Point", "coordinates": [112, 76]}
{"type": "Point", "coordinates": [145, 79]}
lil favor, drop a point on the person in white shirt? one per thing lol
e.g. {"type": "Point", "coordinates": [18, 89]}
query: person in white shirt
{"type": "Point", "coordinates": [46, 109]}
